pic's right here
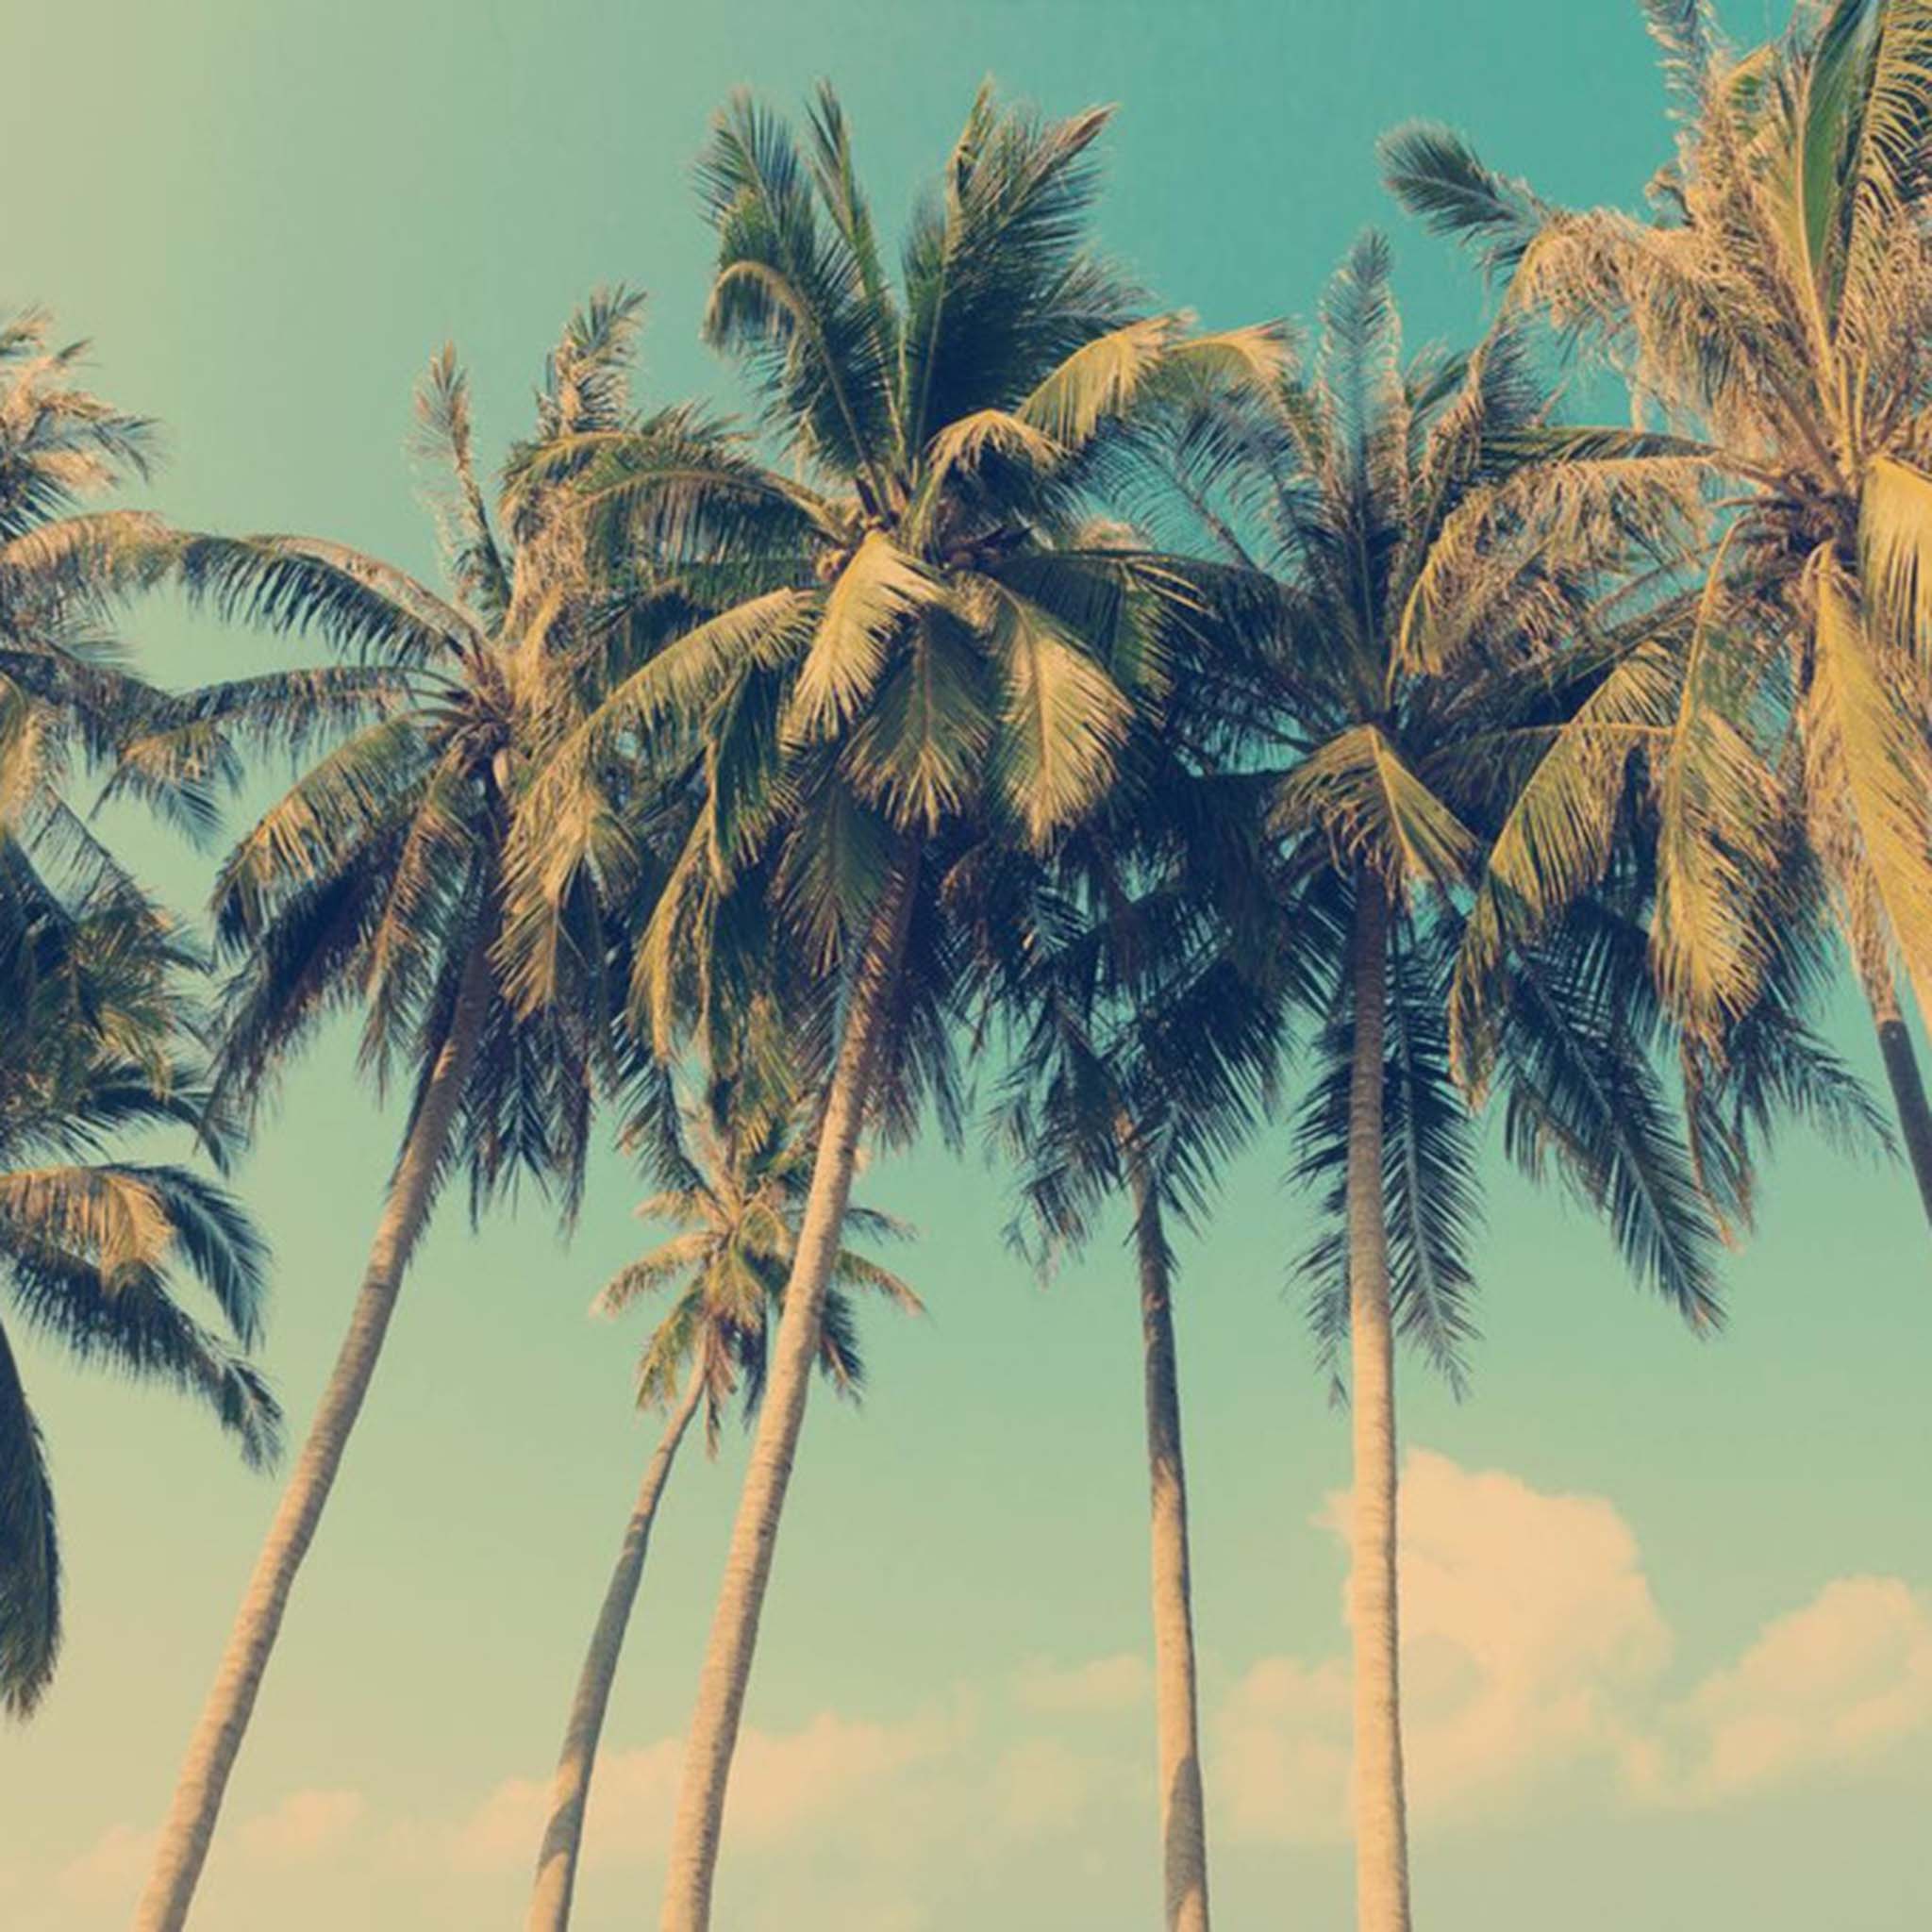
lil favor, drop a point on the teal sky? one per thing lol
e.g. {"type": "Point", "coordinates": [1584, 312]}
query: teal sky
{"type": "Point", "coordinates": [1703, 1699]}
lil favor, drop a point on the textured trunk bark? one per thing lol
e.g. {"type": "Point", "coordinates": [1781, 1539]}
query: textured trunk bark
{"type": "Point", "coordinates": [726, 1671]}
{"type": "Point", "coordinates": [217, 1739]}
{"type": "Point", "coordinates": [1381, 1828]}
{"type": "Point", "coordinates": [556, 1863]}
{"type": "Point", "coordinates": [1902, 1072]}
{"type": "Point", "coordinates": [1183, 1809]}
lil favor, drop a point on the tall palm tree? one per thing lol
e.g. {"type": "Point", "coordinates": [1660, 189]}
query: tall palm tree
{"type": "Point", "coordinates": [1776, 308]}
{"type": "Point", "coordinates": [735, 1198]}
{"type": "Point", "coordinates": [1143, 1056]}
{"type": "Point", "coordinates": [1432, 622]}
{"type": "Point", "coordinates": [930, 654]}
{"type": "Point", "coordinates": [376, 880]}
{"type": "Point", "coordinates": [92, 1245]}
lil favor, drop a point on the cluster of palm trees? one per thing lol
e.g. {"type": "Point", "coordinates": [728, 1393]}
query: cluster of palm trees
{"type": "Point", "coordinates": [1214, 723]}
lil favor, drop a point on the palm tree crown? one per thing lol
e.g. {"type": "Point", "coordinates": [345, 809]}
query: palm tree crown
{"type": "Point", "coordinates": [923, 639]}
{"type": "Point", "coordinates": [1776, 307]}
{"type": "Point", "coordinates": [736, 1188]}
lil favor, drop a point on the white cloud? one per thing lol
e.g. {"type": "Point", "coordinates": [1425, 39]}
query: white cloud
{"type": "Point", "coordinates": [304, 1825]}
{"type": "Point", "coordinates": [1534, 1655]}
{"type": "Point", "coordinates": [1107, 1683]}
{"type": "Point", "coordinates": [784, 1786]}
{"type": "Point", "coordinates": [110, 1871]}
{"type": "Point", "coordinates": [1827, 1688]}
{"type": "Point", "coordinates": [1279, 1753]}
{"type": "Point", "coordinates": [1537, 1671]}
{"type": "Point", "coordinates": [1042, 1788]}
{"type": "Point", "coordinates": [109, 1875]}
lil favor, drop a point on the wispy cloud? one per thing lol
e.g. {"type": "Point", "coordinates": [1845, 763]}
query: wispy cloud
{"type": "Point", "coordinates": [1107, 1684]}
{"type": "Point", "coordinates": [305, 1827]}
{"type": "Point", "coordinates": [785, 1786]}
{"type": "Point", "coordinates": [1828, 1688]}
{"type": "Point", "coordinates": [1539, 1672]}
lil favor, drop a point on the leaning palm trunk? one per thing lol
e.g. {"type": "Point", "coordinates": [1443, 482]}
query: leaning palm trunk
{"type": "Point", "coordinates": [1901, 1073]}
{"type": "Point", "coordinates": [1183, 1812]}
{"type": "Point", "coordinates": [1381, 1830]}
{"type": "Point", "coordinates": [557, 1864]}
{"type": "Point", "coordinates": [726, 1671]}
{"type": "Point", "coordinates": [211, 1752]}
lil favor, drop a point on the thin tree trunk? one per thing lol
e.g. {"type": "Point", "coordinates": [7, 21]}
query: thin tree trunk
{"type": "Point", "coordinates": [1183, 1810]}
{"type": "Point", "coordinates": [1902, 1070]}
{"type": "Point", "coordinates": [557, 1864]}
{"type": "Point", "coordinates": [726, 1673]}
{"type": "Point", "coordinates": [1381, 1828]}
{"type": "Point", "coordinates": [217, 1739]}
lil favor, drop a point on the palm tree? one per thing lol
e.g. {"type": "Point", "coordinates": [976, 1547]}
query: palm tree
{"type": "Point", "coordinates": [93, 984]}
{"type": "Point", "coordinates": [735, 1199]}
{"type": "Point", "coordinates": [1776, 307]}
{"type": "Point", "coordinates": [376, 880]}
{"type": "Point", "coordinates": [92, 1245]}
{"type": "Point", "coordinates": [1432, 622]}
{"type": "Point", "coordinates": [929, 653]}
{"type": "Point", "coordinates": [1143, 1056]}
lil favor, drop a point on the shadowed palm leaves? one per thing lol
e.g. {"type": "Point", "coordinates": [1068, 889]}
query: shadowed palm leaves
{"type": "Point", "coordinates": [1776, 307]}
{"type": "Point", "coordinates": [1430, 624]}
{"type": "Point", "coordinates": [736, 1199]}
{"type": "Point", "coordinates": [91, 1247]}
{"type": "Point", "coordinates": [374, 882]}
{"type": "Point", "coordinates": [925, 653]}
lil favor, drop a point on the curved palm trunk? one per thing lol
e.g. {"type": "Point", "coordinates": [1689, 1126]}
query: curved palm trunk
{"type": "Point", "coordinates": [1381, 1827]}
{"type": "Point", "coordinates": [1183, 1810]}
{"type": "Point", "coordinates": [217, 1739]}
{"type": "Point", "coordinates": [1902, 1072]}
{"type": "Point", "coordinates": [726, 1673]}
{"type": "Point", "coordinates": [556, 1863]}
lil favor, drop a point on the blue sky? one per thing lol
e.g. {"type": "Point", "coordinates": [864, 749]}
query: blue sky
{"type": "Point", "coordinates": [1669, 1635]}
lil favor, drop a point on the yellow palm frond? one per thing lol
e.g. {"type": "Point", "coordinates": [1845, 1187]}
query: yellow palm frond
{"type": "Point", "coordinates": [1869, 767]}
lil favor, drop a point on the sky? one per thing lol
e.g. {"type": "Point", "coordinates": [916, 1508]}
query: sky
{"type": "Point", "coordinates": [1668, 1604]}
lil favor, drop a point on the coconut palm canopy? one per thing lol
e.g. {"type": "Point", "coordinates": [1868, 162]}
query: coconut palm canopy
{"type": "Point", "coordinates": [736, 1179]}
{"type": "Point", "coordinates": [1772, 311]}
{"type": "Point", "coordinates": [926, 642]}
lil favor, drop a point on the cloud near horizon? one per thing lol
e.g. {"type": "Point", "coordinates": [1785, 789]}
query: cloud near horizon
{"type": "Point", "coordinates": [1535, 1661]}
{"type": "Point", "coordinates": [1537, 1669]}
{"type": "Point", "coordinates": [299, 1830]}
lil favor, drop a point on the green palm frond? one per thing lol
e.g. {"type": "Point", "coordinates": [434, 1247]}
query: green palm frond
{"type": "Point", "coordinates": [357, 604]}
{"type": "Point", "coordinates": [1582, 1095]}
{"type": "Point", "coordinates": [1436, 176]}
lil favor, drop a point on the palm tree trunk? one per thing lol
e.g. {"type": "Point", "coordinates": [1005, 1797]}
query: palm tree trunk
{"type": "Point", "coordinates": [726, 1673]}
{"type": "Point", "coordinates": [1381, 1827]}
{"type": "Point", "coordinates": [1902, 1070]}
{"type": "Point", "coordinates": [217, 1739]}
{"type": "Point", "coordinates": [1183, 1810]}
{"type": "Point", "coordinates": [557, 1864]}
